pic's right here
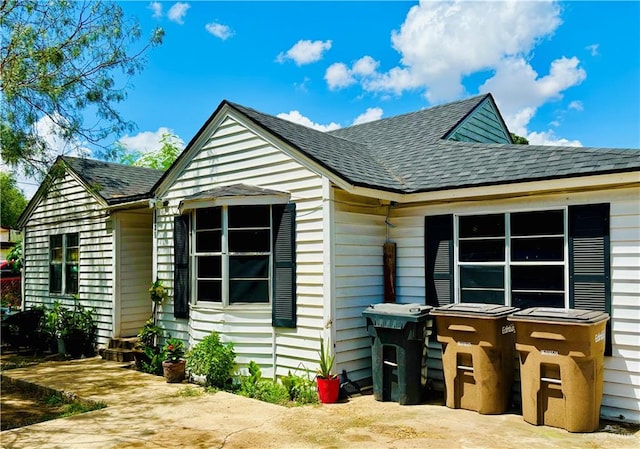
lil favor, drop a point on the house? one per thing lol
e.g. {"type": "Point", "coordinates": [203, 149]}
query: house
{"type": "Point", "coordinates": [272, 234]}
{"type": "Point", "coordinates": [88, 225]}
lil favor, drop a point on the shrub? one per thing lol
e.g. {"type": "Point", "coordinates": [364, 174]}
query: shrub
{"type": "Point", "coordinates": [253, 386]}
{"type": "Point", "coordinates": [212, 359]}
{"type": "Point", "coordinates": [301, 390]}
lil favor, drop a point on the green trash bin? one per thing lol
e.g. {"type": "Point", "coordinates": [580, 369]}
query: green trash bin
{"type": "Point", "coordinates": [478, 355]}
{"type": "Point", "coordinates": [399, 334]}
{"type": "Point", "coordinates": [561, 366]}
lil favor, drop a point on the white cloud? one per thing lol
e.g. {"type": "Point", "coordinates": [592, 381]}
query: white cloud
{"type": "Point", "coordinates": [370, 115]}
{"type": "Point", "coordinates": [56, 145]}
{"type": "Point", "coordinates": [177, 12]}
{"type": "Point", "coordinates": [550, 138]}
{"type": "Point", "coordinates": [156, 7]}
{"type": "Point", "coordinates": [305, 52]}
{"type": "Point", "coordinates": [148, 141]}
{"type": "Point", "coordinates": [441, 43]}
{"type": "Point", "coordinates": [577, 105]}
{"type": "Point", "coordinates": [297, 117]}
{"type": "Point", "coordinates": [219, 30]}
{"type": "Point", "coordinates": [338, 75]}
{"type": "Point", "coordinates": [593, 49]}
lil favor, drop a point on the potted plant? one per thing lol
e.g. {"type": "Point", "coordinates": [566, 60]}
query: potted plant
{"type": "Point", "coordinates": [328, 384]}
{"type": "Point", "coordinates": [146, 347]}
{"type": "Point", "coordinates": [173, 367]}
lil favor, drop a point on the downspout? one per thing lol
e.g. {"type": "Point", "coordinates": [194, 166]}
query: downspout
{"type": "Point", "coordinates": [389, 260]}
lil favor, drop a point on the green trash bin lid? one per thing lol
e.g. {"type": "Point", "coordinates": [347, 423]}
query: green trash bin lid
{"type": "Point", "coordinates": [476, 310]}
{"type": "Point", "coordinates": [394, 315]}
{"type": "Point", "coordinates": [560, 315]}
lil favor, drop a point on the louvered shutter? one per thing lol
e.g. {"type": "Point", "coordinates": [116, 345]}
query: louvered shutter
{"type": "Point", "coordinates": [181, 231]}
{"type": "Point", "coordinates": [284, 266]}
{"type": "Point", "coordinates": [589, 260]}
{"type": "Point", "coordinates": [439, 260]}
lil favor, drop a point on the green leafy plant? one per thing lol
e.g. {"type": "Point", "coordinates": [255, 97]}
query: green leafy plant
{"type": "Point", "coordinates": [302, 390]}
{"type": "Point", "coordinates": [152, 363]}
{"type": "Point", "coordinates": [149, 334]}
{"type": "Point", "coordinates": [212, 359]}
{"type": "Point", "coordinates": [174, 349]}
{"type": "Point", "coordinates": [266, 390]}
{"type": "Point", "coordinates": [326, 362]}
{"type": "Point", "coordinates": [157, 292]}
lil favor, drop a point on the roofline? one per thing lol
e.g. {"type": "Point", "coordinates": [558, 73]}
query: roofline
{"type": "Point", "coordinates": [595, 181]}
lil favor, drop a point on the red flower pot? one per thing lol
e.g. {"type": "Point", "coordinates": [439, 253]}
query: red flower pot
{"type": "Point", "coordinates": [328, 389]}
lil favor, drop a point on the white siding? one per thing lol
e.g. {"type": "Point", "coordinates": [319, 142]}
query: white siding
{"type": "Point", "coordinates": [359, 238]}
{"type": "Point", "coordinates": [234, 154]}
{"type": "Point", "coordinates": [69, 208]}
{"type": "Point", "coordinates": [134, 256]}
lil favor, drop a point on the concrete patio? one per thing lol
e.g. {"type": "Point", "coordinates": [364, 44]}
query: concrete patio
{"type": "Point", "coordinates": [145, 411]}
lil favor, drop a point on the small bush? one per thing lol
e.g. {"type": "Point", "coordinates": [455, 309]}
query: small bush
{"type": "Point", "coordinates": [212, 359]}
{"type": "Point", "coordinates": [302, 390]}
{"type": "Point", "coordinates": [253, 386]}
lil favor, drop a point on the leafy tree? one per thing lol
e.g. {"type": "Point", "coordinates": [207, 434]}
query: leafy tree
{"type": "Point", "coordinates": [12, 200]}
{"type": "Point", "coordinates": [162, 158]}
{"type": "Point", "coordinates": [519, 139]}
{"type": "Point", "coordinates": [63, 61]}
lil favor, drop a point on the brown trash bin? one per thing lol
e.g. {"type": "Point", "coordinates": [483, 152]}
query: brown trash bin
{"type": "Point", "coordinates": [477, 355]}
{"type": "Point", "coordinates": [561, 366]}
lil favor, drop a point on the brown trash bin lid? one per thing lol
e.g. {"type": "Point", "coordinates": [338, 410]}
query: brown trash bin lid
{"type": "Point", "coordinates": [560, 315]}
{"type": "Point", "coordinates": [475, 310]}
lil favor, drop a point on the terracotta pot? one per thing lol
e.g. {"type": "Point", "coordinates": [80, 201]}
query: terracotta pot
{"type": "Point", "coordinates": [173, 371]}
{"type": "Point", "coordinates": [328, 389]}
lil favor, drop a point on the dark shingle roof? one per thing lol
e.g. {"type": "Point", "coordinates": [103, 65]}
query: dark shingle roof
{"type": "Point", "coordinates": [116, 183]}
{"type": "Point", "coordinates": [234, 190]}
{"type": "Point", "coordinates": [406, 153]}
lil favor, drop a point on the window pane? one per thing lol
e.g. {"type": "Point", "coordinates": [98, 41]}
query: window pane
{"type": "Point", "coordinates": [209, 241]}
{"type": "Point", "coordinates": [248, 267]}
{"type": "Point", "coordinates": [72, 255]}
{"type": "Point", "coordinates": [482, 250]}
{"type": "Point", "coordinates": [537, 299]}
{"type": "Point", "coordinates": [538, 223]}
{"type": "Point", "coordinates": [71, 279]}
{"type": "Point", "coordinates": [209, 218]}
{"type": "Point", "coordinates": [55, 248]}
{"type": "Point", "coordinates": [537, 249]}
{"type": "Point", "coordinates": [249, 217]}
{"type": "Point", "coordinates": [482, 277]}
{"type": "Point", "coordinates": [482, 296]}
{"type": "Point", "coordinates": [541, 278]}
{"type": "Point", "coordinates": [250, 241]}
{"type": "Point", "coordinates": [72, 240]}
{"type": "Point", "coordinates": [55, 278]}
{"type": "Point", "coordinates": [248, 291]}
{"type": "Point", "coordinates": [210, 291]}
{"type": "Point", "coordinates": [482, 226]}
{"type": "Point", "coordinates": [209, 267]}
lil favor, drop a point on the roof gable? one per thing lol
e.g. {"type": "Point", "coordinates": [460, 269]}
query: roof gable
{"type": "Point", "coordinates": [484, 124]}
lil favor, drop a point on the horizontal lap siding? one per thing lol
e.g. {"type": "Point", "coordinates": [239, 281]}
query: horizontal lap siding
{"type": "Point", "coordinates": [622, 370]}
{"type": "Point", "coordinates": [135, 256]}
{"type": "Point", "coordinates": [359, 231]}
{"type": "Point", "coordinates": [70, 208]}
{"type": "Point", "coordinates": [235, 155]}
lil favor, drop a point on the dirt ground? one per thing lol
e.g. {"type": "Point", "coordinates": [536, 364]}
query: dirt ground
{"type": "Point", "coordinates": [144, 412]}
{"type": "Point", "coordinates": [21, 407]}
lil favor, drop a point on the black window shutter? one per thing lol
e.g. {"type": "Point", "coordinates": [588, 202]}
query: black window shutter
{"type": "Point", "coordinates": [589, 260]}
{"type": "Point", "coordinates": [438, 232]}
{"type": "Point", "coordinates": [181, 231]}
{"type": "Point", "coordinates": [284, 266]}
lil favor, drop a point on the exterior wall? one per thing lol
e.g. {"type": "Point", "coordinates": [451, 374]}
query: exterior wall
{"type": "Point", "coordinates": [70, 208]}
{"type": "Point", "coordinates": [622, 370]}
{"type": "Point", "coordinates": [359, 237]}
{"type": "Point", "coordinates": [360, 233]}
{"type": "Point", "coordinates": [233, 154]}
{"type": "Point", "coordinates": [133, 267]}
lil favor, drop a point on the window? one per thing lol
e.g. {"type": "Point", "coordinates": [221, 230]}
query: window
{"type": "Point", "coordinates": [64, 251]}
{"type": "Point", "coordinates": [232, 254]}
{"type": "Point", "coordinates": [513, 258]}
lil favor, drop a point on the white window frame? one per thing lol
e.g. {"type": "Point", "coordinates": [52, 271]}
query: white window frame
{"type": "Point", "coordinates": [225, 255]}
{"type": "Point", "coordinates": [63, 264]}
{"type": "Point", "coordinates": [507, 263]}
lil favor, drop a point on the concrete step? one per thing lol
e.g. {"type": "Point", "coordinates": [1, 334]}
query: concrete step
{"type": "Point", "coordinates": [122, 343]}
{"type": "Point", "coordinates": [118, 355]}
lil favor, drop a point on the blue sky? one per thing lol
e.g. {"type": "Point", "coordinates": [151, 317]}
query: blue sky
{"type": "Point", "coordinates": [561, 72]}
